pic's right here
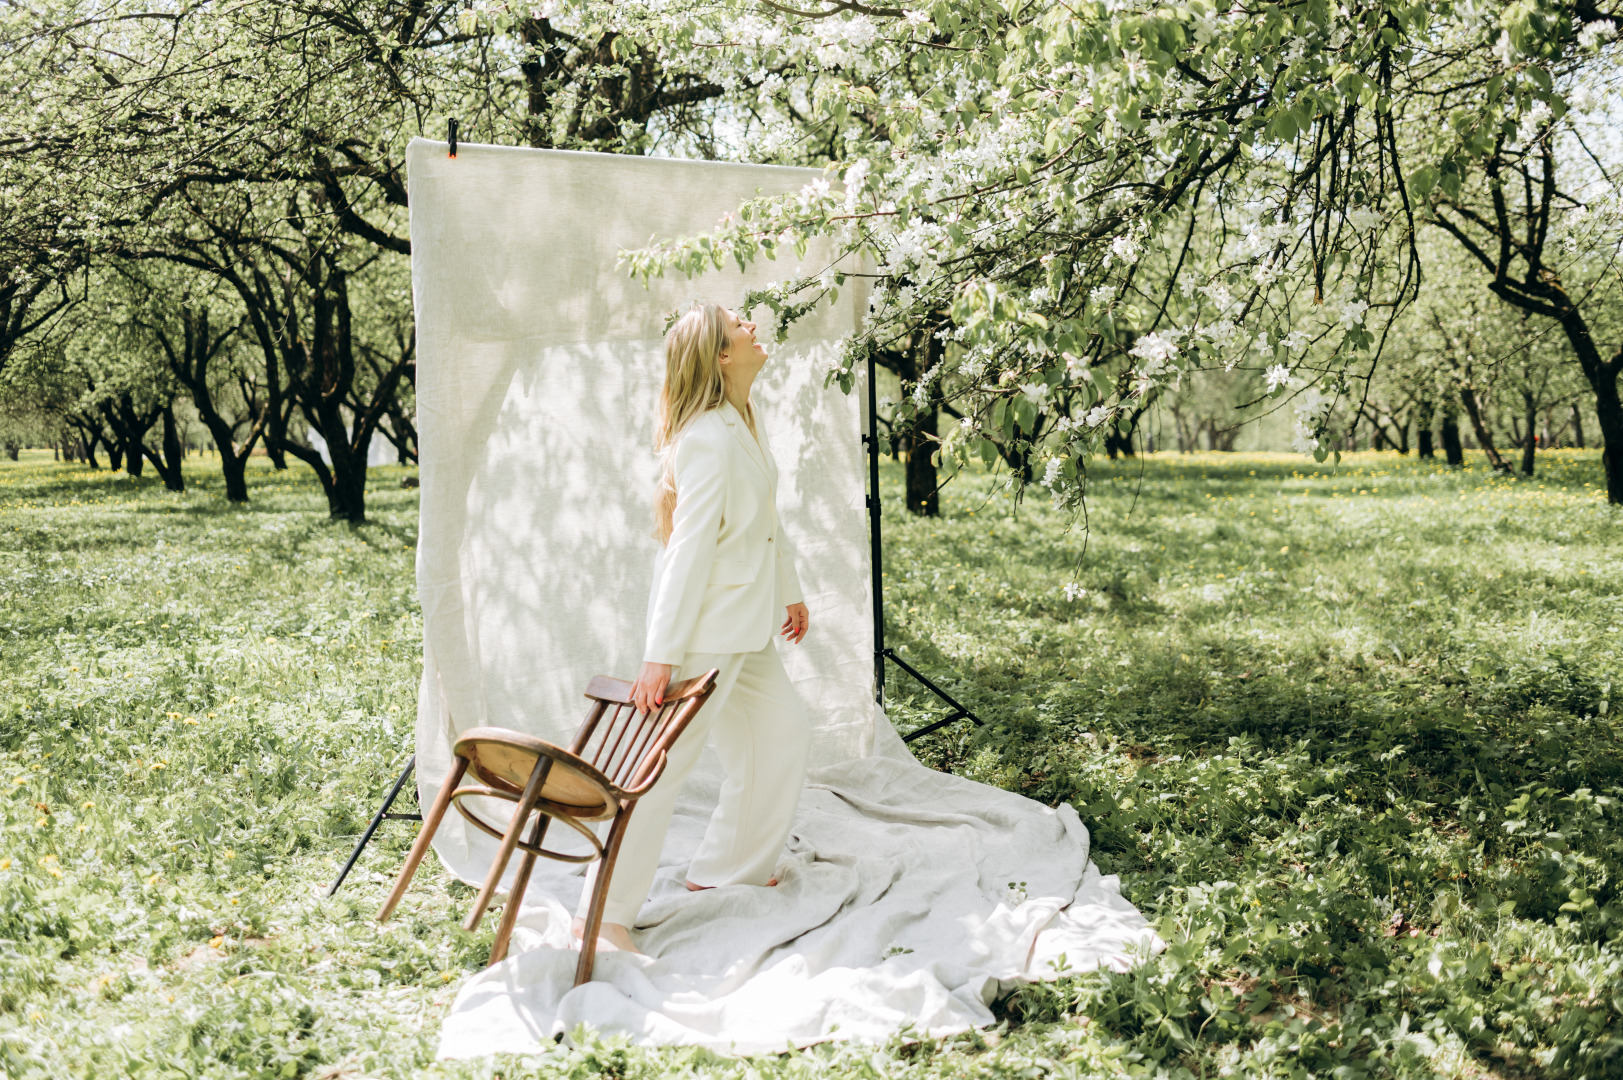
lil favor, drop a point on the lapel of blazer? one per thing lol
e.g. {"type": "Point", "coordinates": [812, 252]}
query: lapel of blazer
{"type": "Point", "coordinates": [741, 432]}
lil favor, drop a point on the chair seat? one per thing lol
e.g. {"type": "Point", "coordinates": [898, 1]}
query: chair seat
{"type": "Point", "coordinates": [504, 759]}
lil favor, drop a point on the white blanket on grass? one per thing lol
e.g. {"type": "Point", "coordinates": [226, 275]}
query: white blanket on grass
{"type": "Point", "coordinates": [909, 899]}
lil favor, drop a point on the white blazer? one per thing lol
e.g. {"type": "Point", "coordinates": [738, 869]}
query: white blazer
{"type": "Point", "coordinates": [723, 579]}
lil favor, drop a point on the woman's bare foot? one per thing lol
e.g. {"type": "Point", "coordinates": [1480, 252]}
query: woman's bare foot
{"type": "Point", "coordinates": [701, 888]}
{"type": "Point", "coordinates": [613, 935]}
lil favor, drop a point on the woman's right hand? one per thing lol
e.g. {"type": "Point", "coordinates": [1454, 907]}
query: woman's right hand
{"type": "Point", "coordinates": [648, 692]}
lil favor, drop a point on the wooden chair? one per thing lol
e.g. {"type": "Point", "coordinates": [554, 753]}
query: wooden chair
{"type": "Point", "coordinates": [616, 757]}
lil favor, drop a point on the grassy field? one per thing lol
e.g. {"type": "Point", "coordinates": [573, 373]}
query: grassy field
{"type": "Point", "coordinates": [1350, 737]}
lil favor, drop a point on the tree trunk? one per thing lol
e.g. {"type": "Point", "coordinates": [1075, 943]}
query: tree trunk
{"type": "Point", "coordinates": [1116, 443]}
{"type": "Point", "coordinates": [922, 497]}
{"type": "Point", "coordinates": [1577, 426]}
{"type": "Point", "coordinates": [134, 459]}
{"type": "Point", "coordinates": [233, 469]}
{"type": "Point", "coordinates": [1609, 410]}
{"type": "Point", "coordinates": [1453, 452]}
{"type": "Point", "coordinates": [1484, 438]}
{"type": "Point", "coordinates": [1424, 413]}
{"type": "Point", "coordinates": [168, 463]}
{"type": "Point", "coordinates": [1529, 444]}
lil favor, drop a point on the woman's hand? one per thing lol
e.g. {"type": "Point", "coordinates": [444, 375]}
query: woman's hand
{"type": "Point", "coordinates": [795, 623]}
{"type": "Point", "coordinates": [648, 692]}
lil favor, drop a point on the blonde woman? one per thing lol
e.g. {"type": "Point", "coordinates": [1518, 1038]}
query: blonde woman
{"type": "Point", "coordinates": [724, 581]}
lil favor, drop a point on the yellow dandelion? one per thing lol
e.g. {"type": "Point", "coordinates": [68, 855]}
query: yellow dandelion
{"type": "Point", "coordinates": [5, 864]}
{"type": "Point", "coordinates": [42, 822]}
{"type": "Point", "coordinates": [217, 941]}
{"type": "Point", "coordinates": [228, 854]}
{"type": "Point", "coordinates": [154, 879]}
{"type": "Point", "coordinates": [88, 805]}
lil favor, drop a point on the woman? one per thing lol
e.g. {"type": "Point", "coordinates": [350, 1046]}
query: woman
{"type": "Point", "coordinates": [723, 579]}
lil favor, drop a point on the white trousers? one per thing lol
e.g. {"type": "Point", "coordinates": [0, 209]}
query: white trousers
{"type": "Point", "coordinates": [761, 735]}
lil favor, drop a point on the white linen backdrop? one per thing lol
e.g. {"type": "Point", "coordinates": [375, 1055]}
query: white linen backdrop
{"type": "Point", "coordinates": [538, 366]}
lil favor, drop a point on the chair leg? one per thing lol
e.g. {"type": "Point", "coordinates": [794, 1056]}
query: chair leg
{"type": "Point", "coordinates": [521, 879]}
{"type": "Point", "coordinates": [504, 854]}
{"type": "Point", "coordinates": [600, 897]}
{"type": "Point", "coordinates": [425, 836]}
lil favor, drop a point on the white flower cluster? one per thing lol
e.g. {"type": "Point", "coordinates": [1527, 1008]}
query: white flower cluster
{"type": "Point", "coordinates": [1593, 35]}
{"type": "Point", "coordinates": [1533, 120]}
{"type": "Point", "coordinates": [1363, 219]}
{"type": "Point", "coordinates": [1123, 248]}
{"type": "Point", "coordinates": [1036, 393]}
{"type": "Point", "coordinates": [1311, 409]}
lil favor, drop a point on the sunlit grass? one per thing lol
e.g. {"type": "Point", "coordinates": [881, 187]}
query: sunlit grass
{"type": "Point", "coordinates": [1348, 734]}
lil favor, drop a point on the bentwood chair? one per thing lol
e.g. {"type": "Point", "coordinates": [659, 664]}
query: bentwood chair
{"type": "Point", "coordinates": [616, 757]}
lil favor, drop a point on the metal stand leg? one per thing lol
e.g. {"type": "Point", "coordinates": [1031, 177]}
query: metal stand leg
{"type": "Point", "coordinates": [378, 819]}
{"type": "Point", "coordinates": [876, 551]}
{"type": "Point", "coordinates": [960, 710]}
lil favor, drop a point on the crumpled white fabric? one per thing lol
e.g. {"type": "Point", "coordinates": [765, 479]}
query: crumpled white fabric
{"type": "Point", "coordinates": [538, 366]}
{"type": "Point", "coordinates": [894, 912]}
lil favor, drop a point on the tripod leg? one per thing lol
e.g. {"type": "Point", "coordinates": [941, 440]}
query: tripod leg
{"type": "Point", "coordinates": [419, 847]}
{"type": "Point", "coordinates": [377, 819]}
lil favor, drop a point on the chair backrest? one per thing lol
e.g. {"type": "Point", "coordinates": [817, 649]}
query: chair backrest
{"type": "Point", "coordinates": [627, 746]}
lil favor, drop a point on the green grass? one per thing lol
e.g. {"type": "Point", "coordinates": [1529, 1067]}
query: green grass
{"type": "Point", "coordinates": [1349, 736]}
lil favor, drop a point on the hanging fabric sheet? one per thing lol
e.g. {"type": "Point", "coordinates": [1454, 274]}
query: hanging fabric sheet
{"type": "Point", "coordinates": [909, 898]}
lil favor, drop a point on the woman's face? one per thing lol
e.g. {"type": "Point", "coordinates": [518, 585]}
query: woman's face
{"type": "Point", "coordinates": [743, 355]}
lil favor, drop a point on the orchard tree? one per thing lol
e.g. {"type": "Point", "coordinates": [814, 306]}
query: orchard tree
{"type": "Point", "coordinates": [1130, 190]}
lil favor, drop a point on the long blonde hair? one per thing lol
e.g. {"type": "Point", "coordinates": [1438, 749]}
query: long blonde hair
{"type": "Point", "coordinates": [693, 386]}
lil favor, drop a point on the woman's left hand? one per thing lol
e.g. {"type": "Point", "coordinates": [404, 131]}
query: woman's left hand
{"type": "Point", "coordinates": [794, 625]}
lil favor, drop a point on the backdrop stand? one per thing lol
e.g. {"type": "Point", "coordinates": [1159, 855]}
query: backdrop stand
{"type": "Point", "coordinates": [379, 818]}
{"type": "Point", "coordinates": [880, 654]}
{"type": "Point", "coordinates": [876, 545]}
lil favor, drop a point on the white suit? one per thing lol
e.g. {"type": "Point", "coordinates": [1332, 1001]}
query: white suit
{"type": "Point", "coordinates": [721, 584]}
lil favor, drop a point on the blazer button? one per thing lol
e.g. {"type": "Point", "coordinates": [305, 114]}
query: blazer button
{"type": "Point", "coordinates": [769, 539]}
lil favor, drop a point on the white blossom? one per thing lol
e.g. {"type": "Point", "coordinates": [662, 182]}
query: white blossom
{"type": "Point", "coordinates": [1593, 34]}
{"type": "Point", "coordinates": [1124, 248]}
{"type": "Point", "coordinates": [1363, 219]}
{"type": "Point", "coordinates": [1277, 376]}
{"type": "Point", "coordinates": [1351, 312]}
{"type": "Point", "coordinates": [1154, 347]}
